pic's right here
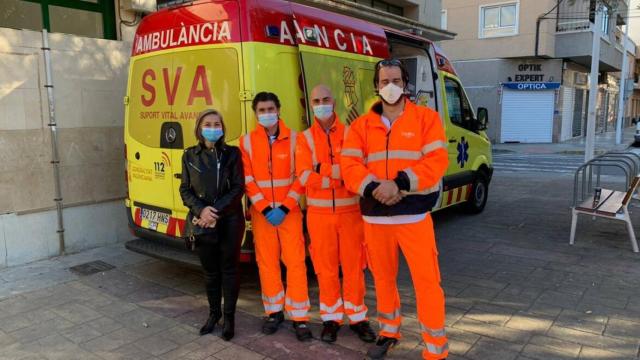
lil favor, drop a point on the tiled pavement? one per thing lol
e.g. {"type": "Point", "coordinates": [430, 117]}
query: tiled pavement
{"type": "Point", "coordinates": [515, 290]}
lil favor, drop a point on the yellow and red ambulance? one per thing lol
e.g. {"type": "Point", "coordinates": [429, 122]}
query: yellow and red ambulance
{"type": "Point", "coordinates": [219, 53]}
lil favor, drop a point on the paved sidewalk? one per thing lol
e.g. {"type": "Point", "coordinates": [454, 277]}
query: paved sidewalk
{"type": "Point", "coordinates": [515, 291]}
{"type": "Point", "coordinates": [603, 142]}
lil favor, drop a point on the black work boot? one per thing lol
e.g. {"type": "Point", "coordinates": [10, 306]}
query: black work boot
{"type": "Point", "coordinates": [272, 323]}
{"type": "Point", "coordinates": [228, 327]}
{"type": "Point", "coordinates": [364, 331]}
{"type": "Point", "coordinates": [381, 347]}
{"type": "Point", "coordinates": [303, 333]}
{"type": "Point", "coordinates": [330, 331]}
{"type": "Point", "coordinates": [211, 323]}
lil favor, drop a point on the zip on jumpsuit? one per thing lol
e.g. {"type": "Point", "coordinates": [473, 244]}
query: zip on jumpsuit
{"type": "Point", "coordinates": [334, 223]}
{"type": "Point", "coordinates": [411, 151]}
{"type": "Point", "coordinates": [270, 182]}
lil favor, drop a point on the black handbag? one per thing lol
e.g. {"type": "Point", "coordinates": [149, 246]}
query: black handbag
{"type": "Point", "coordinates": [189, 233]}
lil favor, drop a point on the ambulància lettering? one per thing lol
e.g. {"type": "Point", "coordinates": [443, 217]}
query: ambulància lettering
{"type": "Point", "coordinates": [343, 41]}
{"type": "Point", "coordinates": [186, 35]}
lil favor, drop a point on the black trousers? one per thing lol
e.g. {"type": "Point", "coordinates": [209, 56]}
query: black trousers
{"type": "Point", "coordinates": [219, 254]}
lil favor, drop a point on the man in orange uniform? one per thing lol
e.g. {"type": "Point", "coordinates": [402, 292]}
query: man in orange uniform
{"type": "Point", "coordinates": [274, 192]}
{"type": "Point", "coordinates": [333, 220]}
{"type": "Point", "coordinates": [394, 157]}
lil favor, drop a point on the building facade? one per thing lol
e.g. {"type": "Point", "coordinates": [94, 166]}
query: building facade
{"type": "Point", "coordinates": [528, 63]}
{"type": "Point", "coordinates": [90, 44]}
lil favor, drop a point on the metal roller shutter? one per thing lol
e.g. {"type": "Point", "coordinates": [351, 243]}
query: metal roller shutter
{"type": "Point", "coordinates": [568, 104]}
{"type": "Point", "coordinates": [527, 116]}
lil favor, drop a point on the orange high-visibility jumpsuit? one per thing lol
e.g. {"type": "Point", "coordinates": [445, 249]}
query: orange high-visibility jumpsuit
{"type": "Point", "coordinates": [334, 223]}
{"type": "Point", "coordinates": [411, 151]}
{"type": "Point", "coordinates": [270, 182]}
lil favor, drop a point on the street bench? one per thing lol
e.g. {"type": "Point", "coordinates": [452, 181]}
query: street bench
{"type": "Point", "coordinates": [612, 205]}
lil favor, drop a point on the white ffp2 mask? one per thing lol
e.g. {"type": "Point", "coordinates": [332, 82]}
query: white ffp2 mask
{"type": "Point", "coordinates": [391, 93]}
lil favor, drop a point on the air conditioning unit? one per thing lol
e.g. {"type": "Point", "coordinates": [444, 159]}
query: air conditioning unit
{"type": "Point", "coordinates": [143, 6]}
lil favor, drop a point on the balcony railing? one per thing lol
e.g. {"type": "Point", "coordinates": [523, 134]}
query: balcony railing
{"type": "Point", "coordinates": [573, 16]}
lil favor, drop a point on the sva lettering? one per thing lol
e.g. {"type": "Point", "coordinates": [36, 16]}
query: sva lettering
{"type": "Point", "coordinates": [171, 85]}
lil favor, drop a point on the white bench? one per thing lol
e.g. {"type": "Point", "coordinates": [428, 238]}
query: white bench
{"type": "Point", "coordinates": [612, 205]}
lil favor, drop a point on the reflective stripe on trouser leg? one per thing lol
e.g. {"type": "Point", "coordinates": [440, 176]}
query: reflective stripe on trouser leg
{"type": "Point", "coordinates": [293, 256]}
{"type": "Point", "coordinates": [352, 261]}
{"type": "Point", "coordinates": [382, 254]}
{"type": "Point", "coordinates": [422, 258]}
{"type": "Point", "coordinates": [334, 312]}
{"type": "Point", "coordinates": [324, 252]}
{"type": "Point", "coordinates": [267, 248]}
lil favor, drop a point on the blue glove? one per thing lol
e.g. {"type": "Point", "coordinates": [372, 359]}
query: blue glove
{"type": "Point", "coordinates": [276, 216]}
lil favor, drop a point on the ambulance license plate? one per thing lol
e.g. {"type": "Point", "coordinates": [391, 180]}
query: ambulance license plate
{"type": "Point", "coordinates": [154, 217]}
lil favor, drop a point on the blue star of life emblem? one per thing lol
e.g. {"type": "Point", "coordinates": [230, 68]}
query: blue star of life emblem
{"type": "Point", "coordinates": [463, 152]}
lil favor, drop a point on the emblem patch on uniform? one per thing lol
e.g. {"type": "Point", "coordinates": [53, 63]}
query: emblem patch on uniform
{"type": "Point", "coordinates": [463, 152]}
{"type": "Point", "coordinates": [408, 134]}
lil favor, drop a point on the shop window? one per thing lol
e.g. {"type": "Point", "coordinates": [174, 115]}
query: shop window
{"type": "Point", "coordinates": [498, 20]}
{"type": "Point", "coordinates": [90, 18]}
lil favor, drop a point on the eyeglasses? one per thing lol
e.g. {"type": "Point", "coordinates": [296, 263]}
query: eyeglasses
{"type": "Point", "coordinates": [389, 62]}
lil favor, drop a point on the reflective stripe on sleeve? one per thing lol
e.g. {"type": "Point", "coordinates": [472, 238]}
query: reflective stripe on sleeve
{"type": "Point", "coordinates": [413, 179]}
{"type": "Point", "coordinates": [352, 152]}
{"type": "Point", "coordinates": [433, 146]}
{"type": "Point", "coordinates": [325, 182]}
{"type": "Point", "coordinates": [309, 137]}
{"type": "Point", "coordinates": [335, 171]}
{"type": "Point", "coordinates": [292, 153]}
{"type": "Point", "coordinates": [257, 197]}
{"type": "Point", "coordinates": [363, 185]}
{"type": "Point", "coordinates": [394, 155]}
{"type": "Point", "coordinates": [294, 195]}
{"type": "Point", "coordinates": [246, 142]}
{"type": "Point", "coordinates": [305, 177]}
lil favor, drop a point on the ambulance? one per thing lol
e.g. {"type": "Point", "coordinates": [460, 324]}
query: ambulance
{"type": "Point", "coordinates": [220, 53]}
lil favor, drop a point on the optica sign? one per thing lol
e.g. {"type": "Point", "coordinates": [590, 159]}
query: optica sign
{"type": "Point", "coordinates": [532, 86]}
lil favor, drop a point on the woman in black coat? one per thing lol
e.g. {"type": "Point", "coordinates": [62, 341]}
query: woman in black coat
{"type": "Point", "coordinates": [212, 188]}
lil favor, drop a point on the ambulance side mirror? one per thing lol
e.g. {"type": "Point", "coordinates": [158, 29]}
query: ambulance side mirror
{"type": "Point", "coordinates": [483, 118]}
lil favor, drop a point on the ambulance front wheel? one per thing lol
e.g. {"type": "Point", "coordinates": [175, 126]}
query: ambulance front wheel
{"type": "Point", "coordinates": [479, 193]}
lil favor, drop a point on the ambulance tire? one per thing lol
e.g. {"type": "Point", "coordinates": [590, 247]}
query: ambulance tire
{"type": "Point", "coordinates": [479, 194]}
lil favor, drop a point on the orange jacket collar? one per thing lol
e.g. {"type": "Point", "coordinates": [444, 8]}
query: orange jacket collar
{"type": "Point", "coordinates": [376, 111]}
{"type": "Point", "coordinates": [283, 131]}
{"type": "Point", "coordinates": [334, 126]}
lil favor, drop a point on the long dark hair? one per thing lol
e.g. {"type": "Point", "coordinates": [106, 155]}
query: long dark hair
{"type": "Point", "coordinates": [201, 117]}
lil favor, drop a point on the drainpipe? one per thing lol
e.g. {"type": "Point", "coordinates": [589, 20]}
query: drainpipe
{"type": "Point", "coordinates": [55, 159]}
{"type": "Point", "coordinates": [538, 20]}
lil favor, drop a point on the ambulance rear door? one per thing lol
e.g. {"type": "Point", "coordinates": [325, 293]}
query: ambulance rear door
{"type": "Point", "coordinates": [169, 88]}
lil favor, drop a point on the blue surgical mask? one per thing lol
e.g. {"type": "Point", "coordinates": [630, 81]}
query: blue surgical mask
{"type": "Point", "coordinates": [323, 112]}
{"type": "Point", "coordinates": [268, 120]}
{"type": "Point", "coordinates": [212, 134]}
